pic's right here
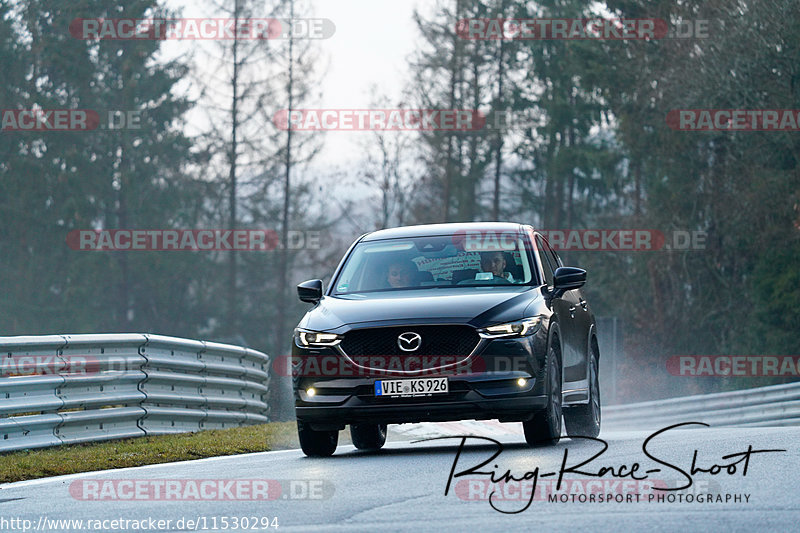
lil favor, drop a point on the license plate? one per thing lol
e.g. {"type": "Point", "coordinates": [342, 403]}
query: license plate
{"type": "Point", "coordinates": [410, 387]}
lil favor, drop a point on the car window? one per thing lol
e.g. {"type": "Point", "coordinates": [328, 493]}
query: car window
{"type": "Point", "coordinates": [555, 260]}
{"type": "Point", "coordinates": [441, 261]}
{"type": "Point", "coordinates": [547, 260]}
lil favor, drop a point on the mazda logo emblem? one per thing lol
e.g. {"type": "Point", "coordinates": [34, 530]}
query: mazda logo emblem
{"type": "Point", "coordinates": [409, 341]}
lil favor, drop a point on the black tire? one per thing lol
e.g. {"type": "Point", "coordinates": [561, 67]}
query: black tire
{"type": "Point", "coordinates": [584, 420]}
{"type": "Point", "coordinates": [317, 443]}
{"type": "Point", "coordinates": [368, 436]}
{"type": "Point", "coordinates": [544, 429]}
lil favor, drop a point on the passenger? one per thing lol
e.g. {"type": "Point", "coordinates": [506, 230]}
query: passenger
{"type": "Point", "coordinates": [495, 262]}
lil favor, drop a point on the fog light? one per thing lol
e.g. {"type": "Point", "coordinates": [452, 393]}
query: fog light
{"type": "Point", "coordinates": [522, 382]}
{"type": "Point", "coordinates": [311, 392]}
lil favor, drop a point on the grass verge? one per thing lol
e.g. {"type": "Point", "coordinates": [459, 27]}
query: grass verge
{"type": "Point", "coordinates": [74, 458]}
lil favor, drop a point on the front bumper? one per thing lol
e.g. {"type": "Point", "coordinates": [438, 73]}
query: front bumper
{"type": "Point", "coordinates": [400, 411]}
{"type": "Point", "coordinates": [486, 389]}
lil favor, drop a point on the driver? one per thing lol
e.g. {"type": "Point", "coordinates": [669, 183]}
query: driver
{"type": "Point", "coordinates": [402, 274]}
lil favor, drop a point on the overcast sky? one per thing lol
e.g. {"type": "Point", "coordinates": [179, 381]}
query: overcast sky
{"type": "Point", "coordinates": [370, 47]}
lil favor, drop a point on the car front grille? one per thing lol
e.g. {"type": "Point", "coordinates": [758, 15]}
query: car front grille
{"type": "Point", "coordinates": [445, 340]}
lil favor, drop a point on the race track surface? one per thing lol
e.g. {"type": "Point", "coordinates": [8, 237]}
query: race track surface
{"type": "Point", "coordinates": [401, 488]}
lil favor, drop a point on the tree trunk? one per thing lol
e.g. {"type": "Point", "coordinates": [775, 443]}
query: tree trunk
{"type": "Point", "coordinates": [283, 266]}
{"type": "Point", "coordinates": [233, 315]}
{"type": "Point", "coordinates": [498, 149]}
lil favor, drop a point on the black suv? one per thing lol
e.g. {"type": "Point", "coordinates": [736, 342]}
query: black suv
{"type": "Point", "coordinates": [446, 322]}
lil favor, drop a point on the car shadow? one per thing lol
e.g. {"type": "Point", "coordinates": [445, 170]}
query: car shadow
{"type": "Point", "coordinates": [449, 445]}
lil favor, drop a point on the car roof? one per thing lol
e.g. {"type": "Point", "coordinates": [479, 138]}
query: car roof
{"type": "Point", "coordinates": [428, 230]}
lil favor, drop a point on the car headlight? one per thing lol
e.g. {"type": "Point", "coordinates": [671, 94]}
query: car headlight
{"type": "Point", "coordinates": [526, 326]}
{"type": "Point", "coordinates": [308, 339]}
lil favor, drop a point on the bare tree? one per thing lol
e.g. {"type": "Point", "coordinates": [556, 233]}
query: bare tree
{"type": "Point", "coordinates": [245, 83]}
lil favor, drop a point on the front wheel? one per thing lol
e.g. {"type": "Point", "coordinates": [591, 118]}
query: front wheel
{"type": "Point", "coordinates": [544, 429]}
{"type": "Point", "coordinates": [317, 443]}
{"type": "Point", "coordinates": [584, 420]}
{"type": "Point", "coordinates": [368, 436]}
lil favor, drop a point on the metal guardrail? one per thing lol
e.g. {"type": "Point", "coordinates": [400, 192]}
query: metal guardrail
{"type": "Point", "coordinates": [776, 405]}
{"type": "Point", "coordinates": [65, 389]}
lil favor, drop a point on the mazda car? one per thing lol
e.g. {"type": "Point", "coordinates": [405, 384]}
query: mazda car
{"type": "Point", "coordinates": [446, 322]}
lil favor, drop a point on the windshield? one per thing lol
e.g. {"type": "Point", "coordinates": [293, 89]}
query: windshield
{"type": "Point", "coordinates": [441, 261]}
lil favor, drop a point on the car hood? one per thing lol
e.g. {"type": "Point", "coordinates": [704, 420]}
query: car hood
{"type": "Point", "coordinates": [476, 306]}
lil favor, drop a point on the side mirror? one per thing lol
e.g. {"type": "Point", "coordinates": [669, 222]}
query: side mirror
{"type": "Point", "coordinates": [567, 278]}
{"type": "Point", "coordinates": [310, 291]}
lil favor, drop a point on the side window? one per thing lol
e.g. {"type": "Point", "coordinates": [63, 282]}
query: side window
{"type": "Point", "coordinates": [547, 260]}
{"type": "Point", "coordinates": [554, 259]}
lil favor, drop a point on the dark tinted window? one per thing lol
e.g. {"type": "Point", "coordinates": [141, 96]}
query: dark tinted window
{"type": "Point", "coordinates": [439, 261]}
{"type": "Point", "coordinates": [548, 261]}
{"type": "Point", "coordinates": [555, 261]}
